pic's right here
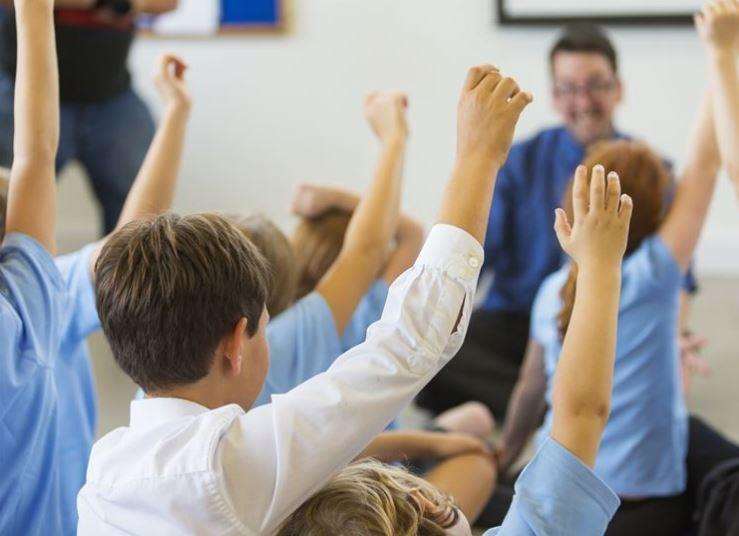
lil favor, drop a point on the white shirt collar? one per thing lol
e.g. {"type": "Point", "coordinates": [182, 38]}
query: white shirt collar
{"type": "Point", "coordinates": [153, 411]}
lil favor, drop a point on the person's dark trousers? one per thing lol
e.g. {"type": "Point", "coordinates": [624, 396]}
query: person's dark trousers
{"type": "Point", "coordinates": [486, 367]}
{"type": "Point", "coordinates": [109, 138]}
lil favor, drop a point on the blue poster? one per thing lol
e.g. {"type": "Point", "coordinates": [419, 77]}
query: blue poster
{"type": "Point", "coordinates": [250, 12]}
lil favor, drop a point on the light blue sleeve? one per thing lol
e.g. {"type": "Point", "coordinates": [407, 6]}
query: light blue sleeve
{"type": "Point", "coordinates": [303, 342]}
{"type": "Point", "coordinates": [367, 313]}
{"type": "Point", "coordinates": [32, 299]}
{"type": "Point", "coordinates": [558, 495]}
{"type": "Point", "coordinates": [651, 269]}
{"type": "Point", "coordinates": [82, 316]}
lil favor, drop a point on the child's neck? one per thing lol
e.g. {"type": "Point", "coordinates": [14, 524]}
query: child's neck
{"type": "Point", "coordinates": [207, 392]}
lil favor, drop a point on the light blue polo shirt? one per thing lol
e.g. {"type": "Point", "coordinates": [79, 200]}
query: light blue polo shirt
{"type": "Point", "coordinates": [303, 340]}
{"type": "Point", "coordinates": [32, 306]}
{"type": "Point", "coordinates": [77, 408]}
{"type": "Point", "coordinates": [644, 444]}
{"type": "Point", "coordinates": [558, 495]}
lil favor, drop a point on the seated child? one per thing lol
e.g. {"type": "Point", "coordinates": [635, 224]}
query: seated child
{"type": "Point", "coordinates": [557, 493]}
{"type": "Point", "coordinates": [75, 405]}
{"type": "Point", "coordinates": [182, 301]}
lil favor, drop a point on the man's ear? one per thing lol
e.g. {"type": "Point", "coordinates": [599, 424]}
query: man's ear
{"type": "Point", "coordinates": [233, 348]}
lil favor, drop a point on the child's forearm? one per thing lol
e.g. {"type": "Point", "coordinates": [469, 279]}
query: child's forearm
{"type": "Point", "coordinates": [725, 81]}
{"type": "Point", "coordinates": [391, 447]}
{"type": "Point", "coordinates": [375, 218]}
{"type": "Point", "coordinates": [584, 377]}
{"type": "Point", "coordinates": [154, 188]}
{"type": "Point", "coordinates": [32, 193]}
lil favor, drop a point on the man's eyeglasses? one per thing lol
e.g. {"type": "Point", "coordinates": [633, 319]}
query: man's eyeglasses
{"type": "Point", "coordinates": [596, 88]}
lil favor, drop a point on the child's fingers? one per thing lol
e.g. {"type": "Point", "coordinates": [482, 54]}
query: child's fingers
{"type": "Point", "coordinates": [562, 227]}
{"type": "Point", "coordinates": [506, 89]}
{"type": "Point", "coordinates": [521, 101]}
{"type": "Point", "coordinates": [627, 207]}
{"type": "Point", "coordinates": [490, 82]}
{"type": "Point", "coordinates": [580, 193]}
{"type": "Point", "coordinates": [613, 192]}
{"type": "Point", "coordinates": [476, 74]}
{"type": "Point", "coordinates": [598, 189]}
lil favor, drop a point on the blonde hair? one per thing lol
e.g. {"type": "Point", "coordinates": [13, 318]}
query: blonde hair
{"type": "Point", "coordinates": [317, 243]}
{"type": "Point", "coordinates": [369, 498]}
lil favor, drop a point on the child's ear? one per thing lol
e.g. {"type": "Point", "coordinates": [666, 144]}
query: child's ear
{"type": "Point", "coordinates": [234, 348]}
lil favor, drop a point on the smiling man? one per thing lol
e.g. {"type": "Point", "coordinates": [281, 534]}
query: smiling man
{"type": "Point", "coordinates": [521, 247]}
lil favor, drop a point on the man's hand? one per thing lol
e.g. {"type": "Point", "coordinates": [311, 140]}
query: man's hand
{"type": "Point", "coordinates": [170, 82]}
{"type": "Point", "coordinates": [488, 111]}
{"type": "Point", "coordinates": [718, 25]}
{"type": "Point", "coordinates": [385, 112]}
{"type": "Point", "coordinates": [691, 361]}
{"type": "Point", "coordinates": [445, 445]}
{"type": "Point", "coordinates": [602, 215]}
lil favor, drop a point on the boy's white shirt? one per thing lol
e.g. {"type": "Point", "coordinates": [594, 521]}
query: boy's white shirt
{"type": "Point", "coordinates": [180, 468]}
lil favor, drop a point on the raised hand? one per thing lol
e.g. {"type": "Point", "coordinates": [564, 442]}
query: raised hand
{"type": "Point", "coordinates": [488, 112]}
{"type": "Point", "coordinates": [718, 24]}
{"type": "Point", "coordinates": [385, 112]}
{"type": "Point", "coordinates": [170, 81]}
{"type": "Point", "coordinates": [602, 215]}
{"type": "Point", "coordinates": [311, 200]}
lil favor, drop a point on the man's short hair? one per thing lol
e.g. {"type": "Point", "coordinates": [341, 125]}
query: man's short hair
{"type": "Point", "coordinates": [170, 289]}
{"type": "Point", "coordinates": [584, 37]}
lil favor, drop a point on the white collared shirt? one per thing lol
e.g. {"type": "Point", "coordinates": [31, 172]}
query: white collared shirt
{"type": "Point", "coordinates": [180, 468]}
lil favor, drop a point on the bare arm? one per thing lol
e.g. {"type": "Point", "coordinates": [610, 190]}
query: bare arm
{"type": "Point", "coordinates": [684, 222]}
{"type": "Point", "coordinates": [718, 26]}
{"type": "Point", "coordinates": [153, 7]}
{"type": "Point", "coordinates": [526, 407]}
{"type": "Point", "coordinates": [375, 219]}
{"type": "Point", "coordinates": [408, 244]}
{"type": "Point", "coordinates": [153, 190]}
{"type": "Point", "coordinates": [488, 111]}
{"type": "Point", "coordinates": [32, 193]}
{"type": "Point", "coordinates": [581, 394]}
{"type": "Point", "coordinates": [402, 445]}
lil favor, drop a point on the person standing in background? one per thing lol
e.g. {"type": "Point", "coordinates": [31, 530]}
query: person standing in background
{"type": "Point", "coordinates": [104, 124]}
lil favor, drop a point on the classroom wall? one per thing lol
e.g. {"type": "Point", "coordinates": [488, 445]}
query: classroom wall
{"type": "Point", "coordinates": [272, 110]}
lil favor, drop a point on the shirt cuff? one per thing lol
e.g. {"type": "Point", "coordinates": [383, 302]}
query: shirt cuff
{"type": "Point", "coordinates": [573, 470]}
{"type": "Point", "coordinates": [454, 251]}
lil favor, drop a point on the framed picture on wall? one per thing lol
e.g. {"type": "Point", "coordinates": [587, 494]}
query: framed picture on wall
{"type": "Point", "coordinates": [195, 18]}
{"type": "Point", "coordinates": [543, 12]}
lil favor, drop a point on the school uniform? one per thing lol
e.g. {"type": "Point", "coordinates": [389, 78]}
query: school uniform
{"type": "Point", "coordinates": [32, 307]}
{"type": "Point", "coordinates": [645, 444]}
{"type": "Point", "coordinates": [182, 468]}
{"type": "Point", "coordinates": [303, 340]}
{"type": "Point", "coordinates": [557, 494]}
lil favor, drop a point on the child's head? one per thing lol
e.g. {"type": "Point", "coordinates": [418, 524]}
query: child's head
{"type": "Point", "coordinates": [645, 178]}
{"type": "Point", "coordinates": [277, 251]}
{"type": "Point", "coordinates": [317, 243]}
{"type": "Point", "coordinates": [182, 298]}
{"type": "Point", "coordinates": [372, 499]}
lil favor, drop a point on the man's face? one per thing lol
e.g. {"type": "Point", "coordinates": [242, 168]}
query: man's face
{"type": "Point", "coordinates": [585, 92]}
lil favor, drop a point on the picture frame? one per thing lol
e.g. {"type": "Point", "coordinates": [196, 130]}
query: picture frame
{"type": "Point", "coordinates": [616, 12]}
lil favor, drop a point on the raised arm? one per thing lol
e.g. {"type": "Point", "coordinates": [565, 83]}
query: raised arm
{"type": "Point", "coordinates": [596, 242]}
{"type": "Point", "coordinates": [138, 6]}
{"type": "Point", "coordinates": [32, 193]}
{"type": "Point", "coordinates": [718, 26]}
{"type": "Point", "coordinates": [684, 222]}
{"type": "Point", "coordinates": [375, 219]}
{"type": "Point", "coordinates": [312, 200]}
{"type": "Point", "coordinates": [153, 190]}
{"type": "Point", "coordinates": [488, 111]}
{"type": "Point", "coordinates": [526, 407]}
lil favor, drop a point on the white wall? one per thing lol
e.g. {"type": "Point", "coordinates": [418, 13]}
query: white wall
{"type": "Point", "coordinates": [273, 110]}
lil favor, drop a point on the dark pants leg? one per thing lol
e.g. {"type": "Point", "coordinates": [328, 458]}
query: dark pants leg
{"type": "Point", "coordinates": [114, 137]}
{"type": "Point", "coordinates": [662, 516]}
{"type": "Point", "coordinates": [486, 367]}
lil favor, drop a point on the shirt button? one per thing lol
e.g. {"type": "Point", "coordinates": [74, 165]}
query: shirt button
{"type": "Point", "coordinates": [474, 262]}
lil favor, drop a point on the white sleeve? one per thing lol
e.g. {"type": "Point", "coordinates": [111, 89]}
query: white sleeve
{"type": "Point", "coordinates": [276, 456]}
